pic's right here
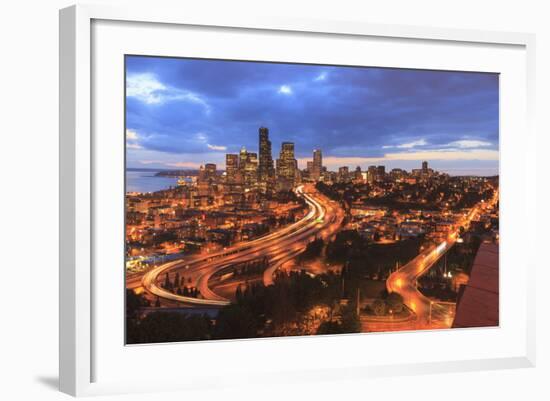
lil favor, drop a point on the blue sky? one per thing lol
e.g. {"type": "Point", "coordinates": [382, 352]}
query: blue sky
{"type": "Point", "coordinates": [185, 112]}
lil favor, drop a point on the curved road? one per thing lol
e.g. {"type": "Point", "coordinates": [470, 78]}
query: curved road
{"type": "Point", "coordinates": [277, 246]}
{"type": "Point", "coordinates": [403, 281]}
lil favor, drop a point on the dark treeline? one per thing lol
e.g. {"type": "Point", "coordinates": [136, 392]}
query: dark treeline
{"type": "Point", "coordinates": [350, 248]}
{"type": "Point", "coordinates": [387, 304]}
{"type": "Point", "coordinates": [159, 327]}
{"type": "Point", "coordinates": [249, 268]}
{"type": "Point", "coordinates": [259, 311]}
{"type": "Point", "coordinates": [313, 250]}
{"type": "Point", "coordinates": [180, 285]}
{"type": "Point", "coordinates": [281, 304]}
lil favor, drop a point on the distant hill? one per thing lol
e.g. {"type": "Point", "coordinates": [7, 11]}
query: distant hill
{"type": "Point", "coordinates": [177, 173]}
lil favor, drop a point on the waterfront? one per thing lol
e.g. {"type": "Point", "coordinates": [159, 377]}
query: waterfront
{"type": "Point", "coordinates": [145, 180]}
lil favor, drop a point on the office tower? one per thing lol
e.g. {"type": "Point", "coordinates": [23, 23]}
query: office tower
{"type": "Point", "coordinates": [371, 174]}
{"type": "Point", "coordinates": [286, 166]}
{"type": "Point", "coordinates": [243, 154]}
{"type": "Point", "coordinates": [210, 172]}
{"type": "Point", "coordinates": [231, 167]}
{"type": "Point", "coordinates": [248, 168]}
{"type": "Point", "coordinates": [317, 167]}
{"type": "Point", "coordinates": [203, 184]}
{"type": "Point", "coordinates": [425, 166]}
{"type": "Point", "coordinates": [380, 173]}
{"type": "Point", "coordinates": [343, 174]}
{"type": "Point", "coordinates": [397, 173]}
{"type": "Point", "coordinates": [358, 175]}
{"type": "Point", "coordinates": [202, 174]}
{"type": "Point", "coordinates": [251, 170]}
{"type": "Point", "coordinates": [265, 167]}
{"type": "Point", "coordinates": [309, 167]}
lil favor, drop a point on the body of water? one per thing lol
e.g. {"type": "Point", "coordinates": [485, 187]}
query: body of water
{"type": "Point", "coordinates": [146, 181]}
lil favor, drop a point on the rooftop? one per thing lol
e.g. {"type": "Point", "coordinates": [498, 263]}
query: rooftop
{"type": "Point", "coordinates": [478, 301]}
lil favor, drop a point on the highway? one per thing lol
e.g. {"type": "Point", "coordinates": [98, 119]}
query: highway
{"type": "Point", "coordinates": [323, 219]}
{"type": "Point", "coordinates": [430, 314]}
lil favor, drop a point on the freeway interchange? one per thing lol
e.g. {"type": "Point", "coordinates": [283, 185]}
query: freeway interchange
{"type": "Point", "coordinates": [323, 219]}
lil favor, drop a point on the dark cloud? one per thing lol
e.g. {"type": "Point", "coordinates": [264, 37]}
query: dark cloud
{"type": "Point", "coordinates": [346, 111]}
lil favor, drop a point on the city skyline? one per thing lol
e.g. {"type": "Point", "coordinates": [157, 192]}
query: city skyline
{"type": "Point", "coordinates": [448, 118]}
{"type": "Point", "coordinates": [295, 200]}
{"type": "Point", "coordinates": [259, 171]}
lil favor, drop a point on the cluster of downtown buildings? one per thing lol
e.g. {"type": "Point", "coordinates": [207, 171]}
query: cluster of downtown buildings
{"type": "Point", "coordinates": [247, 171]}
{"type": "Point", "coordinates": [258, 171]}
{"type": "Point", "coordinates": [212, 208]}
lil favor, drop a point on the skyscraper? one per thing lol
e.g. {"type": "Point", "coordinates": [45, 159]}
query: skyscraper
{"type": "Point", "coordinates": [380, 173]}
{"type": "Point", "coordinates": [231, 167]}
{"type": "Point", "coordinates": [286, 166]}
{"type": "Point", "coordinates": [343, 174]}
{"type": "Point", "coordinates": [317, 165]}
{"type": "Point", "coordinates": [243, 154]}
{"type": "Point", "coordinates": [358, 175]}
{"type": "Point", "coordinates": [425, 166]}
{"type": "Point", "coordinates": [371, 174]}
{"type": "Point", "coordinates": [251, 170]}
{"type": "Point", "coordinates": [248, 168]}
{"type": "Point", "coordinates": [265, 168]}
{"type": "Point", "coordinates": [210, 172]}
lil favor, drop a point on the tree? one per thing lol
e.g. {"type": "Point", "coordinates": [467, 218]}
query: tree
{"type": "Point", "coordinates": [169, 327]}
{"type": "Point", "coordinates": [394, 302]}
{"type": "Point", "coordinates": [350, 320]}
{"type": "Point", "coordinates": [239, 294]}
{"type": "Point", "coordinates": [235, 321]}
{"type": "Point", "coordinates": [379, 307]}
{"type": "Point", "coordinates": [312, 251]}
{"type": "Point", "coordinates": [330, 327]}
{"type": "Point", "coordinates": [133, 303]}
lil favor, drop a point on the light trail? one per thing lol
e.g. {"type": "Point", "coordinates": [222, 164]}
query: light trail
{"type": "Point", "coordinates": [282, 244]}
{"type": "Point", "coordinates": [404, 280]}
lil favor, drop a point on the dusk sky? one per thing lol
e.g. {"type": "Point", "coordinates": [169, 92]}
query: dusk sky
{"type": "Point", "coordinates": [182, 113]}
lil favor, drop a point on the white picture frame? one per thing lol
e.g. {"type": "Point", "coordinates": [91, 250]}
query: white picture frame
{"type": "Point", "coordinates": [78, 375]}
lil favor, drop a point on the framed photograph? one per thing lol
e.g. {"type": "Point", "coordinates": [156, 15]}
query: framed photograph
{"type": "Point", "coordinates": [306, 199]}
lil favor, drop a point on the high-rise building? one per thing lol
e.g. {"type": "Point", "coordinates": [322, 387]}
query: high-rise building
{"type": "Point", "coordinates": [248, 168]}
{"type": "Point", "coordinates": [397, 174]}
{"type": "Point", "coordinates": [309, 167]}
{"type": "Point", "coordinates": [358, 175]}
{"type": "Point", "coordinates": [286, 166]}
{"type": "Point", "coordinates": [251, 170]}
{"type": "Point", "coordinates": [343, 174]}
{"type": "Point", "coordinates": [371, 174]}
{"type": "Point", "coordinates": [231, 167]}
{"type": "Point", "coordinates": [317, 167]}
{"type": "Point", "coordinates": [243, 154]}
{"type": "Point", "coordinates": [203, 182]}
{"type": "Point", "coordinates": [380, 173]}
{"type": "Point", "coordinates": [265, 167]}
{"type": "Point", "coordinates": [210, 172]}
{"type": "Point", "coordinates": [425, 166]}
{"type": "Point", "coordinates": [202, 174]}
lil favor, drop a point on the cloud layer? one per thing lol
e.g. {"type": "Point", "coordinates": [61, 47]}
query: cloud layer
{"type": "Point", "coordinates": [185, 111]}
